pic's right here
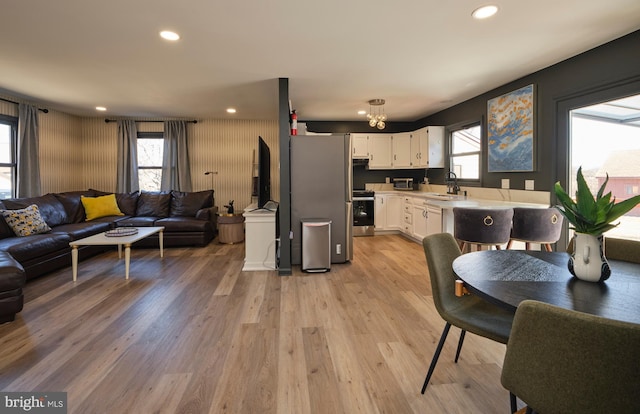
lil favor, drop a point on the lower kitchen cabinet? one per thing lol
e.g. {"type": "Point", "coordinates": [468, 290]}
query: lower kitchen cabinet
{"type": "Point", "coordinates": [388, 212]}
{"type": "Point", "coordinates": [420, 230]}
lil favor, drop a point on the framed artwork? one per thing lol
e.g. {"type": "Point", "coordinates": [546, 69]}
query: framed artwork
{"type": "Point", "coordinates": [510, 126]}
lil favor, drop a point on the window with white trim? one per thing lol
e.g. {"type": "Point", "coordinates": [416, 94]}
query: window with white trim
{"type": "Point", "coordinates": [465, 146]}
{"type": "Point", "coordinates": [8, 157]}
{"type": "Point", "coordinates": [150, 149]}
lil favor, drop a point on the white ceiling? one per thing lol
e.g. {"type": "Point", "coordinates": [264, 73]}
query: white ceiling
{"type": "Point", "coordinates": [420, 55]}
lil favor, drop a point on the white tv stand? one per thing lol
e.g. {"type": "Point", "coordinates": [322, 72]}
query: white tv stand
{"type": "Point", "coordinates": [260, 237]}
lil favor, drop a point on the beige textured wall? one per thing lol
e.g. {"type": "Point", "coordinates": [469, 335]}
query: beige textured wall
{"type": "Point", "coordinates": [225, 146]}
{"type": "Point", "coordinates": [78, 153]}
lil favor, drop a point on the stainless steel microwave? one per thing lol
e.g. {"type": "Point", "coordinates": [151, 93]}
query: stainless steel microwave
{"type": "Point", "coordinates": [405, 184]}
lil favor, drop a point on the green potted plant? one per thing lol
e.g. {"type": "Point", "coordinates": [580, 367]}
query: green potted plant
{"type": "Point", "coordinates": [590, 217]}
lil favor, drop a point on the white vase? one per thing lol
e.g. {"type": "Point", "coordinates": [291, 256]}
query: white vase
{"type": "Point", "coordinates": [588, 262]}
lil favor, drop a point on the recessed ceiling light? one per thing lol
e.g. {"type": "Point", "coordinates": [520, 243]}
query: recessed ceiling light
{"type": "Point", "coordinates": [169, 35]}
{"type": "Point", "coordinates": [101, 108]}
{"type": "Point", "coordinates": [362, 112]}
{"type": "Point", "coordinates": [484, 11]}
{"type": "Point", "coordinates": [231, 110]}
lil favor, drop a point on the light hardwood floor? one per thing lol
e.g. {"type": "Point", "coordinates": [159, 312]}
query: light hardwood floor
{"type": "Point", "coordinates": [192, 333]}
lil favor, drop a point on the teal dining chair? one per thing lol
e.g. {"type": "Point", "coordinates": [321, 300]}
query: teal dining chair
{"type": "Point", "coordinates": [469, 312]}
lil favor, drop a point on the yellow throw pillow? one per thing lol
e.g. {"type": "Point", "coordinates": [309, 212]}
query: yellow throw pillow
{"type": "Point", "coordinates": [103, 206]}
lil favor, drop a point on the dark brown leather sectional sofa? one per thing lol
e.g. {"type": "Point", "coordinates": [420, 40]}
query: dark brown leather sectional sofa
{"type": "Point", "coordinates": [189, 219]}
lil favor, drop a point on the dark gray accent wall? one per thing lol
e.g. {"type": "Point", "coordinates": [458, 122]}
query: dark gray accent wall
{"type": "Point", "coordinates": [283, 221]}
{"type": "Point", "coordinates": [612, 65]}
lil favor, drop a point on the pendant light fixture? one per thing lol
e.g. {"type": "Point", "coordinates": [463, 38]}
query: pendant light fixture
{"type": "Point", "coordinates": [376, 115]}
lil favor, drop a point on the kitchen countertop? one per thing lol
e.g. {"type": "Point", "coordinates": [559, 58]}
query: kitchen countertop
{"type": "Point", "coordinates": [449, 201]}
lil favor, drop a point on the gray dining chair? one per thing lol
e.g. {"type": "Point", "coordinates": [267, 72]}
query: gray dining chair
{"type": "Point", "coordinates": [482, 226]}
{"type": "Point", "coordinates": [564, 361]}
{"type": "Point", "coordinates": [536, 225]}
{"type": "Point", "coordinates": [469, 312]}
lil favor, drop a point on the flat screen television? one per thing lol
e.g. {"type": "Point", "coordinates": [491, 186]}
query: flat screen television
{"type": "Point", "coordinates": [264, 173]}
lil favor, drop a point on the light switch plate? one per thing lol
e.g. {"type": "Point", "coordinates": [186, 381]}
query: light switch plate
{"type": "Point", "coordinates": [529, 184]}
{"type": "Point", "coordinates": [505, 183]}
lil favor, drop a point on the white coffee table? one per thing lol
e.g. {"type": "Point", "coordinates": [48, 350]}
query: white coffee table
{"type": "Point", "coordinates": [126, 241]}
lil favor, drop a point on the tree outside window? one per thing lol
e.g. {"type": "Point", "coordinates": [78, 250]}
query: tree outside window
{"type": "Point", "coordinates": [150, 151]}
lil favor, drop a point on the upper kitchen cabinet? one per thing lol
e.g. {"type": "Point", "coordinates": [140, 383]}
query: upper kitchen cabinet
{"type": "Point", "coordinates": [360, 146]}
{"type": "Point", "coordinates": [401, 145]}
{"type": "Point", "coordinates": [436, 146]}
{"type": "Point", "coordinates": [427, 147]}
{"type": "Point", "coordinates": [380, 152]}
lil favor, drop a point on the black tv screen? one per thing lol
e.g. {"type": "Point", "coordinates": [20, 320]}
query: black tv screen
{"type": "Point", "coordinates": [264, 173]}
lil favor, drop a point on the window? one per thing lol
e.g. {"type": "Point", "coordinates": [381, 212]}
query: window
{"type": "Point", "coordinates": [464, 151]}
{"type": "Point", "coordinates": [8, 163]}
{"type": "Point", "coordinates": [150, 149]}
{"type": "Point", "coordinates": [605, 141]}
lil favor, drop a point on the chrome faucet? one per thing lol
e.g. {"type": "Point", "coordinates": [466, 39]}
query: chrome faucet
{"type": "Point", "coordinates": [452, 183]}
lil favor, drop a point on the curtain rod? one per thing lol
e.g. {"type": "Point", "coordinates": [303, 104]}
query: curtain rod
{"type": "Point", "coordinates": [142, 120]}
{"type": "Point", "coordinates": [45, 110]}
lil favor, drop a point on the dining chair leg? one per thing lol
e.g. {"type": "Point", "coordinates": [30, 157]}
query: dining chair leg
{"type": "Point", "coordinates": [460, 341]}
{"type": "Point", "coordinates": [445, 332]}
{"type": "Point", "coordinates": [547, 247]}
{"type": "Point", "coordinates": [509, 244]}
{"type": "Point", "coordinates": [512, 400]}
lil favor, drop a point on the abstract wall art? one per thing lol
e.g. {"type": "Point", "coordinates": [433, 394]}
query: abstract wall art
{"type": "Point", "coordinates": [510, 126]}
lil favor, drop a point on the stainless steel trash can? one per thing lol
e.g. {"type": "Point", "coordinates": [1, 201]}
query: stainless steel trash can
{"type": "Point", "coordinates": [316, 245]}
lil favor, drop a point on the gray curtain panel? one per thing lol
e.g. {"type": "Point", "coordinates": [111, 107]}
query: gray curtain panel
{"type": "Point", "coordinates": [176, 171]}
{"type": "Point", "coordinates": [28, 160]}
{"type": "Point", "coordinates": [127, 170]}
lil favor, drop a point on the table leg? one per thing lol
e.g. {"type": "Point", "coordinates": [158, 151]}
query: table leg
{"type": "Point", "coordinates": [74, 262]}
{"type": "Point", "coordinates": [161, 240]}
{"type": "Point", "coordinates": [127, 259]}
{"type": "Point", "coordinates": [119, 251]}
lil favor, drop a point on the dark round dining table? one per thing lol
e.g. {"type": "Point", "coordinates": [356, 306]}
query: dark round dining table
{"type": "Point", "coordinates": [507, 277]}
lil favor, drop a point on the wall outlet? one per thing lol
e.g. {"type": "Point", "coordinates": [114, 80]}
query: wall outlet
{"type": "Point", "coordinates": [529, 185]}
{"type": "Point", "coordinates": [505, 183]}
{"type": "Point", "coordinates": [338, 249]}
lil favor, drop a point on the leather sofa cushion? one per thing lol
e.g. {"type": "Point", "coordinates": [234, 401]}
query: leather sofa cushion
{"type": "Point", "coordinates": [137, 222]}
{"type": "Point", "coordinates": [184, 224]}
{"type": "Point", "coordinates": [11, 273]}
{"type": "Point", "coordinates": [187, 204]}
{"type": "Point", "coordinates": [5, 230]}
{"type": "Point", "coordinates": [73, 206]}
{"type": "Point", "coordinates": [82, 230]}
{"type": "Point", "coordinates": [52, 210]}
{"type": "Point", "coordinates": [26, 248]}
{"type": "Point", "coordinates": [153, 204]}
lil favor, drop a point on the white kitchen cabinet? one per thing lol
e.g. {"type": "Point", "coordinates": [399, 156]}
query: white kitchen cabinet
{"type": "Point", "coordinates": [380, 152]}
{"type": "Point", "coordinates": [420, 148]}
{"type": "Point", "coordinates": [436, 146]}
{"type": "Point", "coordinates": [394, 212]}
{"type": "Point", "coordinates": [388, 213]}
{"type": "Point", "coordinates": [401, 145]}
{"type": "Point", "coordinates": [380, 212]}
{"type": "Point", "coordinates": [407, 210]}
{"type": "Point", "coordinates": [360, 146]}
{"type": "Point", "coordinates": [434, 220]}
{"type": "Point", "coordinates": [419, 220]}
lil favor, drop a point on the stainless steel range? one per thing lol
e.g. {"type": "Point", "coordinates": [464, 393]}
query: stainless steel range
{"type": "Point", "coordinates": [363, 210]}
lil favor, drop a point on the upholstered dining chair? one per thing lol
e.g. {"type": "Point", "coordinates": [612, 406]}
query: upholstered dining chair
{"type": "Point", "coordinates": [482, 226]}
{"type": "Point", "coordinates": [536, 225]}
{"type": "Point", "coordinates": [563, 361]}
{"type": "Point", "coordinates": [469, 313]}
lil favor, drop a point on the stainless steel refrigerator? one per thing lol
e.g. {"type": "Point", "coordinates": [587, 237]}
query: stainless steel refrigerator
{"type": "Point", "coordinates": [321, 189]}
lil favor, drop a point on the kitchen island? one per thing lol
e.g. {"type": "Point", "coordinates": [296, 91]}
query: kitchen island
{"type": "Point", "coordinates": [417, 214]}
